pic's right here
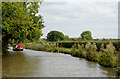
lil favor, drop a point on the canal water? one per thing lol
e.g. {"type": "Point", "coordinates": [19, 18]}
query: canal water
{"type": "Point", "coordinates": [30, 63]}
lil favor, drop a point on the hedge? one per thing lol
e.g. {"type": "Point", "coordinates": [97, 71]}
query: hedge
{"type": "Point", "coordinates": [69, 44]}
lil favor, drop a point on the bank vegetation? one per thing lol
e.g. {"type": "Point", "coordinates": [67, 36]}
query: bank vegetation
{"type": "Point", "coordinates": [106, 54]}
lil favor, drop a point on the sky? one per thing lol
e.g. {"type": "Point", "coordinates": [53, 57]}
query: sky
{"type": "Point", "coordinates": [73, 17]}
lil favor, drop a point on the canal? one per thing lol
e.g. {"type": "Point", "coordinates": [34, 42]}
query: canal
{"type": "Point", "coordinates": [30, 63]}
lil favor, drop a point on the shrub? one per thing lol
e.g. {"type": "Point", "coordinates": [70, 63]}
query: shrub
{"type": "Point", "coordinates": [102, 48]}
{"type": "Point", "coordinates": [46, 47]}
{"type": "Point", "coordinates": [53, 47]}
{"type": "Point", "coordinates": [91, 52]}
{"type": "Point", "coordinates": [73, 49]}
{"type": "Point", "coordinates": [48, 50]}
{"type": "Point", "coordinates": [39, 47]}
{"type": "Point", "coordinates": [82, 51]}
{"type": "Point", "coordinates": [76, 53]}
{"type": "Point", "coordinates": [107, 57]}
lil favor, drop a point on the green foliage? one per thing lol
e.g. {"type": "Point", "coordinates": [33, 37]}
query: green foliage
{"type": "Point", "coordinates": [20, 23]}
{"type": "Point", "coordinates": [117, 69]}
{"type": "Point", "coordinates": [66, 44]}
{"type": "Point", "coordinates": [86, 35]}
{"type": "Point", "coordinates": [106, 56]}
{"type": "Point", "coordinates": [15, 20]}
{"type": "Point", "coordinates": [35, 32]}
{"type": "Point", "coordinates": [64, 50]}
{"type": "Point", "coordinates": [73, 50]}
{"type": "Point", "coordinates": [75, 53]}
{"type": "Point", "coordinates": [82, 51]}
{"type": "Point", "coordinates": [91, 52]}
{"type": "Point", "coordinates": [67, 37]}
{"type": "Point", "coordinates": [55, 36]}
{"type": "Point", "coordinates": [33, 46]}
{"type": "Point", "coordinates": [69, 44]}
{"type": "Point", "coordinates": [76, 39]}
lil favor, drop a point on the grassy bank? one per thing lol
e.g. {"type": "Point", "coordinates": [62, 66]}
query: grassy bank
{"type": "Point", "coordinates": [107, 55]}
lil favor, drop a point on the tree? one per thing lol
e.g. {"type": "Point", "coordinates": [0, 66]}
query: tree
{"type": "Point", "coordinates": [18, 23]}
{"type": "Point", "coordinates": [86, 35]}
{"type": "Point", "coordinates": [55, 36]}
{"type": "Point", "coordinates": [36, 31]}
{"type": "Point", "coordinates": [67, 37]}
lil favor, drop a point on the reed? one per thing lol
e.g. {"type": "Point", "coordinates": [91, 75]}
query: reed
{"type": "Point", "coordinates": [106, 57]}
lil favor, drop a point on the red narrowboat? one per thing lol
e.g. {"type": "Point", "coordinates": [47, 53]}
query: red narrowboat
{"type": "Point", "coordinates": [17, 47]}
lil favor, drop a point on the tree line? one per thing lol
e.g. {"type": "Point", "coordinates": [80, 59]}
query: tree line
{"type": "Point", "coordinates": [85, 35]}
{"type": "Point", "coordinates": [59, 36]}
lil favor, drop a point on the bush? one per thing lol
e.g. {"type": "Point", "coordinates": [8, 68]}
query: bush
{"type": "Point", "coordinates": [75, 53]}
{"type": "Point", "coordinates": [82, 51]}
{"type": "Point", "coordinates": [53, 48]}
{"type": "Point", "coordinates": [107, 57]}
{"type": "Point", "coordinates": [48, 50]}
{"type": "Point", "coordinates": [46, 47]}
{"type": "Point", "coordinates": [73, 49]}
{"type": "Point", "coordinates": [91, 52]}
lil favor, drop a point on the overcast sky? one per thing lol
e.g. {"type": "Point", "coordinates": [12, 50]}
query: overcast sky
{"type": "Point", "coordinates": [72, 18]}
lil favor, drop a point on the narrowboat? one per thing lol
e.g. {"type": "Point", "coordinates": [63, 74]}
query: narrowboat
{"type": "Point", "coordinates": [17, 47]}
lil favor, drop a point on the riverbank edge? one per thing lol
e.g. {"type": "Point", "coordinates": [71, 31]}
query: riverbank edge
{"type": "Point", "coordinates": [72, 51]}
{"type": "Point", "coordinates": [52, 48]}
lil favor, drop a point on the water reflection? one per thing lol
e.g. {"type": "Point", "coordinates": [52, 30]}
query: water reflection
{"type": "Point", "coordinates": [31, 63]}
{"type": "Point", "coordinates": [92, 64]}
{"type": "Point", "coordinates": [108, 71]}
{"type": "Point", "coordinates": [17, 64]}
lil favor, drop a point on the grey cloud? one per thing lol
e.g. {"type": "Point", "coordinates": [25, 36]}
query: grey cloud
{"type": "Point", "coordinates": [73, 18]}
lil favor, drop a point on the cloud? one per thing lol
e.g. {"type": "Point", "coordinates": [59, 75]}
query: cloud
{"type": "Point", "coordinates": [72, 18]}
{"type": "Point", "coordinates": [81, 1]}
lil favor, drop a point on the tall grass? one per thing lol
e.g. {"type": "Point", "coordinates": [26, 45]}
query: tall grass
{"type": "Point", "coordinates": [91, 54]}
{"type": "Point", "coordinates": [107, 55]}
{"type": "Point", "coordinates": [82, 51]}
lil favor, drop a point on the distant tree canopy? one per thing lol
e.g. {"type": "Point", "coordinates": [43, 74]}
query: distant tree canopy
{"type": "Point", "coordinates": [67, 37]}
{"type": "Point", "coordinates": [19, 21]}
{"type": "Point", "coordinates": [86, 35]}
{"type": "Point", "coordinates": [55, 36]}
